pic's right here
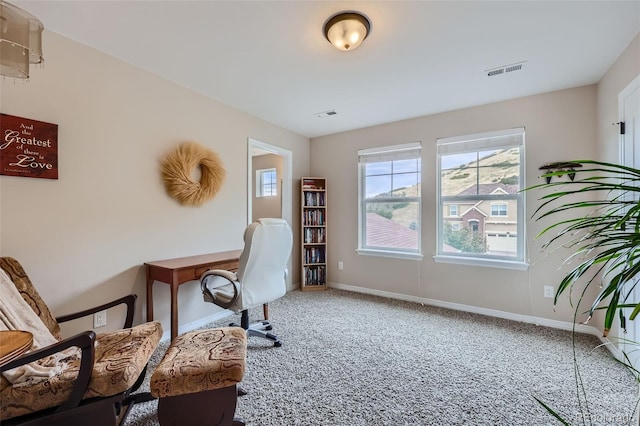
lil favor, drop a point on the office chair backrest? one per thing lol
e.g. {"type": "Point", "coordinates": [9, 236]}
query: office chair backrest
{"type": "Point", "coordinates": [263, 262]}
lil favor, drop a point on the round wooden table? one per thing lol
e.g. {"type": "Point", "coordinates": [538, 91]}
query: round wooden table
{"type": "Point", "coordinates": [14, 343]}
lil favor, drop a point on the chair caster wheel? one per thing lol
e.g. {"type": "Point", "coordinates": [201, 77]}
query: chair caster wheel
{"type": "Point", "coordinates": [268, 328]}
{"type": "Point", "coordinates": [277, 344]}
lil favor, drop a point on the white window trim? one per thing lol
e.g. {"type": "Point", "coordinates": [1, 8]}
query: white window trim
{"type": "Point", "coordinates": [484, 260]}
{"type": "Point", "coordinates": [390, 253]}
{"type": "Point", "coordinates": [386, 252]}
{"type": "Point", "coordinates": [474, 261]}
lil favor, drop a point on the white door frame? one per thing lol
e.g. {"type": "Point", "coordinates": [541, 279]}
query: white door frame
{"type": "Point", "coordinates": [287, 186]}
{"type": "Point", "coordinates": [629, 150]}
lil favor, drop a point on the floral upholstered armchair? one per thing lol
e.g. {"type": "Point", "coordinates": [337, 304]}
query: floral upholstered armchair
{"type": "Point", "coordinates": [90, 376]}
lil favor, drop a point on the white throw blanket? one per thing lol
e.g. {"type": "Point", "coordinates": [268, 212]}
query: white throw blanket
{"type": "Point", "coordinates": [16, 314]}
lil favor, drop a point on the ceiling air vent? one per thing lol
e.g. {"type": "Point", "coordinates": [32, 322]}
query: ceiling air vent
{"type": "Point", "coordinates": [505, 69]}
{"type": "Point", "coordinates": [324, 114]}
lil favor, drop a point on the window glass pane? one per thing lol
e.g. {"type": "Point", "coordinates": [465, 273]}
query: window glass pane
{"type": "Point", "coordinates": [500, 167]}
{"type": "Point", "coordinates": [402, 166]}
{"type": "Point", "coordinates": [406, 184]}
{"type": "Point", "coordinates": [392, 225]}
{"type": "Point", "coordinates": [459, 181]}
{"type": "Point", "coordinates": [378, 186]}
{"type": "Point", "coordinates": [269, 177]}
{"type": "Point", "coordinates": [473, 235]}
{"type": "Point", "coordinates": [456, 161]}
{"type": "Point", "coordinates": [378, 168]}
{"type": "Point", "coordinates": [473, 222]}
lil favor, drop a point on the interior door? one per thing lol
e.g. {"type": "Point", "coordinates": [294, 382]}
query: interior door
{"type": "Point", "coordinates": [286, 208]}
{"type": "Point", "coordinates": [629, 105]}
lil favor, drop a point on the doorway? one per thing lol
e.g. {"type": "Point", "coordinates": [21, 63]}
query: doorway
{"type": "Point", "coordinates": [269, 157]}
{"type": "Point", "coordinates": [629, 110]}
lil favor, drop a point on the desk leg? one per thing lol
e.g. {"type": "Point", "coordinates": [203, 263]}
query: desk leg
{"type": "Point", "coordinates": [265, 311]}
{"type": "Point", "coordinates": [174, 311]}
{"type": "Point", "coordinates": [149, 297]}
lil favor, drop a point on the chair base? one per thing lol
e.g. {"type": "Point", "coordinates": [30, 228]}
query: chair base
{"type": "Point", "coordinates": [101, 412]}
{"type": "Point", "coordinates": [198, 409]}
{"type": "Point", "coordinates": [258, 329]}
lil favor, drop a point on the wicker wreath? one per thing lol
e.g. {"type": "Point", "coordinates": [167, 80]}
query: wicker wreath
{"type": "Point", "coordinates": [176, 173]}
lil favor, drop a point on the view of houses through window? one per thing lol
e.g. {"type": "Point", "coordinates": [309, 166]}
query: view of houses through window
{"type": "Point", "coordinates": [481, 208]}
{"type": "Point", "coordinates": [389, 180]}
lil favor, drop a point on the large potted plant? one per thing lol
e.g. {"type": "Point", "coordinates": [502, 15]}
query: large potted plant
{"type": "Point", "coordinates": [593, 209]}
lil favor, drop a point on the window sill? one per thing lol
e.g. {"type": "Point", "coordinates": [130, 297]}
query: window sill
{"type": "Point", "coordinates": [487, 263]}
{"type": "Point", "coordinates": [392, 254]}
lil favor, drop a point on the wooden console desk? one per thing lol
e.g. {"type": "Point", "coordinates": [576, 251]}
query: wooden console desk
{"type": "Point", "coordinates": [176, 272]}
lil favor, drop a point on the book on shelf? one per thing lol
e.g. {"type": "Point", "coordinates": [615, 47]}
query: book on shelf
{"type": "Point", "coordinates": [314, 199]}
{"type": "Point", "coordinates": [315, 275]}
{"type": "Point", "coordinates": [311, 184]}
{"type": "Point", "coordinates": [313, 255]}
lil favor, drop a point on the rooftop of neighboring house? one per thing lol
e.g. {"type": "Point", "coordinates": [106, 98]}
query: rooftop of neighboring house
{"type": "Point", "coordinates": [383, 232]}
{"type": "Point", "coordinates": [490, 188]}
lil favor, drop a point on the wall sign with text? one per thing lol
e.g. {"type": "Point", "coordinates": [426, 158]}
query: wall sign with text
{"type": "Point", "coordinates": [28, 148]}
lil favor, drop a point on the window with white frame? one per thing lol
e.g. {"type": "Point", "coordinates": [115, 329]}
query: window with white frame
{"type": "Point", "coordinates": [482, 176]}
{"type": "Point", "coordinates": [389, 201]}
{"type": "Point", "coordinates": [453, 210]}
{"type": "Point", "coordinates": [266, 183]}
{"type": "Point", "coordinates": [499, 209]}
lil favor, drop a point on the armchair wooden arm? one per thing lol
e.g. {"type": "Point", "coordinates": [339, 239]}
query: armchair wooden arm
{"type": "Point", "coordinates": [129, 300]}
{"type": "Point", "coordinates": [85, 341]}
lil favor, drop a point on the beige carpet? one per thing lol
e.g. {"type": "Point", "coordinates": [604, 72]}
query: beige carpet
{"type": "Point", "coordinates": [353, 359]}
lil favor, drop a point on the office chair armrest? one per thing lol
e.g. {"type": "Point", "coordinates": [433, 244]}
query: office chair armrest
{"type": "Point", "coordinates": [86, 342]}
{"type": "Point", "coordinates": [129, 300]}
{"type": "Point", "coordinates": [229, 278]}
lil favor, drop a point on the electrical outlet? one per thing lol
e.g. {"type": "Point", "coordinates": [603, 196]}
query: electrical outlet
{"type": "Point", "coordinates": [548, 291]}
{"type": "Point", "coordinates": [340, 265]}
{"type": "Point", "coordinates": [100, 319]}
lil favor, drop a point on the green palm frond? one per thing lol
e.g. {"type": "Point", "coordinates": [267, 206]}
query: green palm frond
{"type": "Point", "coordinates": [604, 233]}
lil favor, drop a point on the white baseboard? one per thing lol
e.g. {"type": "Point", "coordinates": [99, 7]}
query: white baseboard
{"type": "Point", "coordinates": [546, 322]}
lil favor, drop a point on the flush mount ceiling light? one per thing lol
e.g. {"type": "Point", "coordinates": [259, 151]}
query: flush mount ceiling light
{"type": "Point", "coordinates": [347, 30]}
{"type": "Point", "coordinates": [20, 41]}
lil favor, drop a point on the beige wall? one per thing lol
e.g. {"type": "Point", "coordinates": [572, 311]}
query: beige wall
{"type": "Point", "coordinates": [617, 77]}
{"type": "Point", "coordinates": [559, 126]}
{"type": "Point", "coordinates": [267, 206]}
{"type": "Point", "coordinates": [84, 237]}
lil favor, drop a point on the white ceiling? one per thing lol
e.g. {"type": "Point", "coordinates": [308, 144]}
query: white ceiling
{"type": "Point", "coordinates": [271, 60]}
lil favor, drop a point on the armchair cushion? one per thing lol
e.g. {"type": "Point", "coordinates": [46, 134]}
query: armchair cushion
{"type": "Point", "coordinates": [28, 292]}
{"type": "Point", "coordinates": [120, 358]}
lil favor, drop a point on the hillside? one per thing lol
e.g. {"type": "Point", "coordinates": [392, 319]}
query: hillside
{"type": "Point", "coordinates": [502, 166]}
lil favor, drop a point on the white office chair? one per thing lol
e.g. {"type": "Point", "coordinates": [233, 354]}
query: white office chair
{"type": "Point", "coordinates": [261, 276]}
